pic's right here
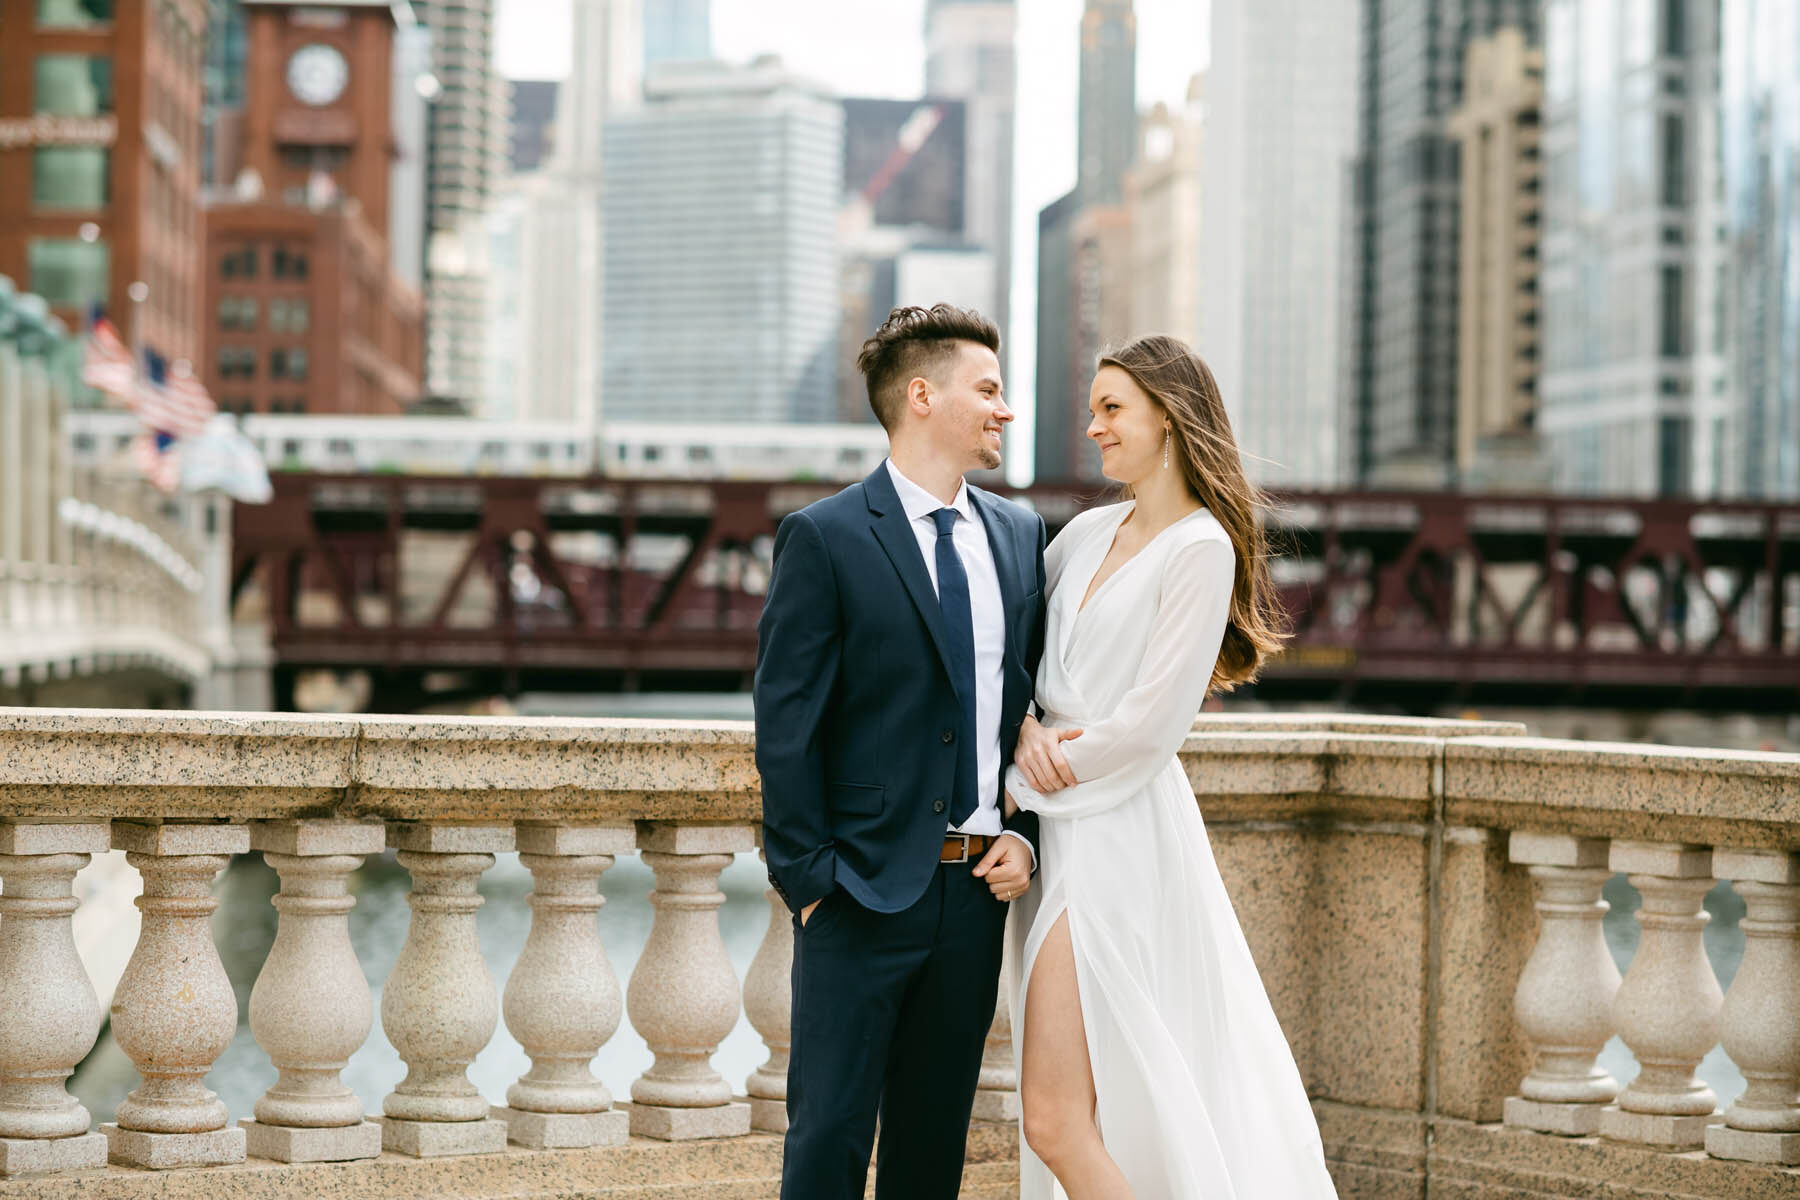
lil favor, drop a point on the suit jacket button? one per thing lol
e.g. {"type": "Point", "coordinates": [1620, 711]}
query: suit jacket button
{"type": "Point", "coordinates": [949, 735]}
{"type": "Point", "coordinates": [937, 806]}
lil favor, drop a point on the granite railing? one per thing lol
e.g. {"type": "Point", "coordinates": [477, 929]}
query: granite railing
{"type": "Point", "coordinates": [1386, 874]}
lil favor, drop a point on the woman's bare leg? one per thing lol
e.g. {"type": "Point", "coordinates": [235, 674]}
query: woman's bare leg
{"type": "Point", "coordinates": [1056, 1081]}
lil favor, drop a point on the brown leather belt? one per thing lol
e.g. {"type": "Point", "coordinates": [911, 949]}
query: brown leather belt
{"type": "Point", "coordinates": [966, 847]}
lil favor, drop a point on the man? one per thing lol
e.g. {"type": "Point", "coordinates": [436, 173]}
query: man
{"type": "Point", "coordinates": [895, 660]}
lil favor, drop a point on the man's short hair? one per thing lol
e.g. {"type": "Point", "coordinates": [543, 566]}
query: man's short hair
{"type": "Point", "coordinates": [916, 342]}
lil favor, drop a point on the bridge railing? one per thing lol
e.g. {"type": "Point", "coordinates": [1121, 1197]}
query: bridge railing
{"type": "Point", "coordinates": [94, 576]}
{"type": "Point", "coordinates": [1422, 899]}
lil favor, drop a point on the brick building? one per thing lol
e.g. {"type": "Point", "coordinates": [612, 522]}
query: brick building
{"type": "Point", "coordinates": [100, 150]}
{"type": "Point", "coordinates": [304, 311]}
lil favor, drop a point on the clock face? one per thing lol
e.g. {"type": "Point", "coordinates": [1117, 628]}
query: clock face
{"type": "Point", "coordinates": [316, 74]}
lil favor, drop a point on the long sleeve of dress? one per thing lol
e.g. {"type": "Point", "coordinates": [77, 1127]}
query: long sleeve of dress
{"type": "Point", "coordinates": [1117, 755]}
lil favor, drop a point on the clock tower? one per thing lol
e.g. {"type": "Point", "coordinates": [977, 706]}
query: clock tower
{"type": "Point", "coordinates": [318, 102]}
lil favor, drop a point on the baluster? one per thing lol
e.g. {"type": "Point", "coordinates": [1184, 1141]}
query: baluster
{"type": "Point", "coordinates": [1565, 995]}
{"type": "Point", "coordinates": [683, 998]}
{"type": "Point", "coordinates": [1760, 1020]}
{"type": "Point", "coordinates": [768, 1002]}
{"type": "Point", "coordinates": [173, 1012]}
{"type": "Point", "coordinates": [51, 1013]}
{"type": "Point", "coordinates": [310, 1009]}
{"type": "Point", "coordinates": [562, 1000]}
{"type": "Point", "coordinates": [997, 1088]}
{"type": "Point", "coordinates": [1667, 1009]}
{"type": "Point", "coordinates": [440, 1007]}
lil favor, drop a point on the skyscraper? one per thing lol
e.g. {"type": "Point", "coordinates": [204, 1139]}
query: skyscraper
{"type": "Point", "coordinates": [970, 56]}
{"type": "Point", "coordinates": [1057, 437]}
{"type": "Point", "coordinates": [1106, 140]}
{"type": "Point", "coordinates": [1498, 131]}
{"type": "Point", "coordinates": [466, 160]}
{"type": "Point", "coordinates": [548, 233]}
{"type": "Point", "coordinates": [1399, 377]}
{"type": "Point", "coordinates": [1633, 374]}
{"type": "Point", "coordinates": [1758, 447]}
{"type": "Point", "coordinates": [1280, 133]}
{"type": "Point", "coordinates": [677, 31]}
{"type": "Point", "coordinates": [721, 273]}
{"type": "Point", "coordinates": [1162, 196]}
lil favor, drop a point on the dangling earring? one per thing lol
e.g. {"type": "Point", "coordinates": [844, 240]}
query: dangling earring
{"type": "Point", "coordinates": [1167, 434]}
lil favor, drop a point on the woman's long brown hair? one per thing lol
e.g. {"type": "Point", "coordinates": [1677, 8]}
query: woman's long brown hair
{"type": "Point", "coordinates": [1203, 448]}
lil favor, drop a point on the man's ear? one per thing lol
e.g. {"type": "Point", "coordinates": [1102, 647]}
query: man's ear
{"type": "Point", "coordinates": [918, 395]}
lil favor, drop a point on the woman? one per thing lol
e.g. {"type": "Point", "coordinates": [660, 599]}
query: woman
{"type": "Point", "coordinates": [1151, 1065]}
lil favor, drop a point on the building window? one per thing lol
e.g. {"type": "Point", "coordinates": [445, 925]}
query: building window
{"type": "Point", "coordinates": [288, 316]}
{"type": "Point", "coordinates": [1672, 324]}
{"type": "Point", "coordinates": [239, 263]}
{"type": "Point", "coordinates": [237, 362]}
{"type": "Point", "coordinates": [74, 14]}
{"type": "Point", "coordinates": [239, 313]}
{"type": "Point", "coordinates": [1674, 28]}
{"type": "Point", "coordinates": [288, 363]}
{"type": "Point", "coordinates": [73, 85]}
{"type": "Point", "coordinates": [1674, 161]}
{"type": "Point", "coordinates": [70, 177]}
{"type": "Point", "coordinates": [68, 272]}
{"type": "Point", "coordinates": [289, 264]}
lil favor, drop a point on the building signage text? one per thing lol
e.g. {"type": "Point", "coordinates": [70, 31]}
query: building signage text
{"type": "Point", "coordinates": [49, 129]}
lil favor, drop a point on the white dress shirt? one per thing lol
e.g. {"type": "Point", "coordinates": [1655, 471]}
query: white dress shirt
{"type": "Point", "coordinates": [987, 614]}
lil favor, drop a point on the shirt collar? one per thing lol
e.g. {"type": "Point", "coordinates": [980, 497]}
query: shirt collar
{"type": "Point", "coordinates": [920, 503]}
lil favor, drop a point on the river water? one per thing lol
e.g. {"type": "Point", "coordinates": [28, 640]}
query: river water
{"type": "Point", "coordinates": [244, 928]}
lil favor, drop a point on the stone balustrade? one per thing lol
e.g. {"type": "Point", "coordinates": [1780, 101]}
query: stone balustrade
{"type": "Point", "coordinates": [1423, 899]}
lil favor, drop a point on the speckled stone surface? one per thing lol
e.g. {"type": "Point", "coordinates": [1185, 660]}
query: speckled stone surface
{"type": "Point", "coordinates": [432, 1139]}
{"type": "Point", "coordinates": [310, 837]}
{"type": "Point", "coordinates": [174, 839]}
{"type": "Point", "coordinates": [990, 1105]}
{"type": "Point", "coordinates": [1565, 1120]}
{"type": "Point", "coordinates": [88, 837]}
{"type": "Point", "coordinates": [1783, 1149]}
{"type": "Point", "coordinates": [1277, 776]}
{"type": "Point", "coordinates": [689, 1124]}
{"type": "Point", "coordinates": [560, 1131]}
{"type": "Point", "coordinates": [294, 1144]}
{"type": "Point", "coordinates": [439, 837]}
{"type": "Point", "coordinates": [1637, 792]}
{"type": "Point", "coordinates": [166, 1151]}
{"type": "Point", "coordinates": [1486, 928]}
{"type": "Point", "coordinates": [124, 763]}
{"type": "Point", "coordinates": [1654, 1129]}
{"type": "Point", "coordinates": [38, 1156]}
{"type": "Point", "coordinates": [1495, 1163]}
{"type": "Point", "coordinates": [746, 1168]}
{"type": "Point", "coordinates": [663, 837]}
{"type": "Point", "coordinates": [564, 838]}
{"type": "Point", "coordinates": [1370, 968]}
{"type": "Point", "coordinates": [770, 1116]}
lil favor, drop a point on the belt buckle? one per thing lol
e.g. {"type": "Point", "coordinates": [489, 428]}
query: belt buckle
{"type": "Point", "coordinates": [965, 848]}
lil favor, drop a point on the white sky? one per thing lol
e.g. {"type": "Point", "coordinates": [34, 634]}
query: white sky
{"type": "Point", "coordinates": [876, 48]}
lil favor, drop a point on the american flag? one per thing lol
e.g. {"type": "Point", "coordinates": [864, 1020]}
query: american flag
{"type": "Point", "coordinates": [156, 455]}
{"type": "Point", "coordinates": [107, 364]}
{"type": "Point", "coordinates": [172, 402]}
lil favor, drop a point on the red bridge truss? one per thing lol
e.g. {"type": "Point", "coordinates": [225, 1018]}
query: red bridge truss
{"type": "Point", "coordinates": [484, 584]}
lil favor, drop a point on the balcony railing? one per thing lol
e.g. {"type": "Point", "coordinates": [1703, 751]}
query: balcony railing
{"type": "Point", "coordinates": [1386, 874]}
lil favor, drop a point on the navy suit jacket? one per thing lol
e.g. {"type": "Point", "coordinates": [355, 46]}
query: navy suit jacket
{"type": "Point", "coordinates": [856, 718]}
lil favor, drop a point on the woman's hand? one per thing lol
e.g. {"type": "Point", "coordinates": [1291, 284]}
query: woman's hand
{"type": "Point", "coordinates": [1039, 755]}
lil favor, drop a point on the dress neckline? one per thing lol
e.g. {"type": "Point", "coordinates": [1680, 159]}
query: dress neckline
{"type": "Point", "coordinates": [1130, 506]}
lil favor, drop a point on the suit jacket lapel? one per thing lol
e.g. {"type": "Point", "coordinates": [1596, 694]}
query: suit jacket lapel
{"type": "Point", "coordinates": [894, 532]}
{"type": "Point", "coordinates": [1006, 562]}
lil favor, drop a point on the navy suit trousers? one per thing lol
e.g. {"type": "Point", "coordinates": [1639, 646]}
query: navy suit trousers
{"type": "Point", "coordinates": [890, 1015]}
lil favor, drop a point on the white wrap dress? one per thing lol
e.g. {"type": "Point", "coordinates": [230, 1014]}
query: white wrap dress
{"type": "Point", "coordinates": [1198, 1094]}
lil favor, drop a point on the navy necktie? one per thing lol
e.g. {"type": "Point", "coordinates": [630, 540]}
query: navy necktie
{"type": "Point", "coordinates": [959, 639]}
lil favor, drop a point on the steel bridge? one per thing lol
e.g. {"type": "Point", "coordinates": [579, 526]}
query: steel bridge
{"type": "Point", "coordinates": [458, 586]}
